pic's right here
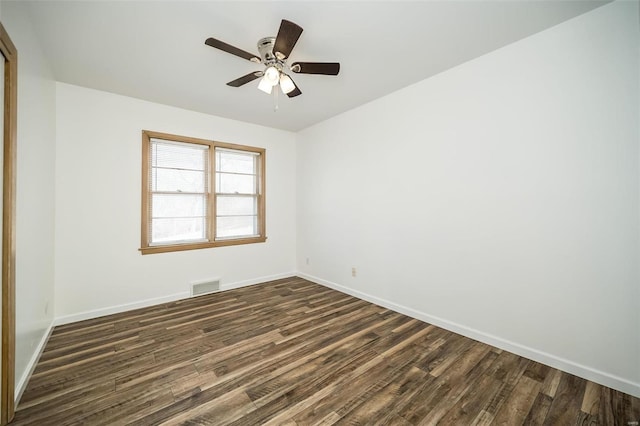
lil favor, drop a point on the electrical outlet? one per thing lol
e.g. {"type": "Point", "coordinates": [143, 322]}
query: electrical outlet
{"type": "Point", "coordinates": [307, 260]}
{"type": "Point", "coordinates": [46, 308]}
{"type": "Point", "coordinates": [353, 271]}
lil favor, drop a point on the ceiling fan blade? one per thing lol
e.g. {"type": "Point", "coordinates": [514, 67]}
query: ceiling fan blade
{"type": "Point", "coordinates": [288, 35]}
{"type": "Point", "coordinates": [231, 49]}
{"type": "Point", "coordinates": [245, 79]}
{"type": "Point", "coordinates": [296, 91]}
{"type": "Point", "coordinates": [326, 68]}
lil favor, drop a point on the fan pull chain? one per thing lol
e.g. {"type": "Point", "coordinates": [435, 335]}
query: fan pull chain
{"type": "Point", "coordinates": [276, 89]}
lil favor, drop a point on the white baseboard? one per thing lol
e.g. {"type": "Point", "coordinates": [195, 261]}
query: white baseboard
{"type": "Point", "coordinates": [21, 385]}
{"type": "Point", "coordinates": [592, 374]}
{"type": "Point", "coordinates": [259, 280]}
{"type": "Point", "coordinates": [95, 313]}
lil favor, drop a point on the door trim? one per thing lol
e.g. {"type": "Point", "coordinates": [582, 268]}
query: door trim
{"type": "Point", "coordinates": [7, 361]}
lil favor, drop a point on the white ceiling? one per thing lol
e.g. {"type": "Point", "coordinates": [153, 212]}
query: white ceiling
{"type": "Point", "coordinates": [155, 50]}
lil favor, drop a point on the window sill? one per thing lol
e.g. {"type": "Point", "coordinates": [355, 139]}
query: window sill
{"type": "Point", "coordinates": [196, 246]}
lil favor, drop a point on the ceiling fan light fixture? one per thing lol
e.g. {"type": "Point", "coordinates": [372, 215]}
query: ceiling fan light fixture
{"type": "Point", "coordinates": [286, 84]}
{"type": "Point", "coordinates": [265, 85]}
{"type": "Point", "coordinates": [272, 75]}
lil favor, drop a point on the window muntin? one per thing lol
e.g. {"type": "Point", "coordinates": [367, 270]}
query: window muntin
{"type": "Point", "coordinates": [199, 193]}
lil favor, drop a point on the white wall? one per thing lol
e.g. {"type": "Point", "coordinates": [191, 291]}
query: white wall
{"type": "Point", "coordinates": [498, 199]}
{"type": "Point", "coordinates": [98, 185]}
{"type": "Point", "coordinates": [35, 190]}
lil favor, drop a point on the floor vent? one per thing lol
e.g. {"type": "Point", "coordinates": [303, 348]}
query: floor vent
{"type": "Point", "coordinates": [205, 287]}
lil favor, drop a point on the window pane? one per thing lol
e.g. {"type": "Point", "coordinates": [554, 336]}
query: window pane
{"type": "Point", "coordinates": [178, 155]}
{"type": "Point", "coordinates": [236, 226]}
{"type": "Point", "coordinates": [236, 206]}
{"type": "Point", "coordinates": [235, 184]}
{"type": "Point", "coordinates": [178, 205]}
{"type": "Point", "coordinates": [178, 180]}
{"type": "Point", "coordinates": [178, 167]}
{"type": "Point", "coordinates": [165, 230]}
{"type": "Point", "coordinates": [235, 162]}
{"type": "Point", "coordinates": [236, 173]}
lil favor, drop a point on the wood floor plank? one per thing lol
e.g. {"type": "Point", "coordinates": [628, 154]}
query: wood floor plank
{"type": "Point", "coordinates": [459, 382]}
{"type": "Point", "coordinates": [291, 352]}
{"type": "Point", "coordinates": [466, 410]}
{"type": "Point", "coordinates": [379, 405]}
{"type": "Point", "coordinates": [618, 408]}
{"type": "Point", "coordinates": [41, 409]}
{"type": "Point", "coordinates": [539, 410]}
{"type": "Point", "coordinates": [334, 390]}
{"type": "Point", "coordinates": [516, 408]}
{"type": "Point", "coordinates": [591, 399]}
{"type": "Point", "coordinates": [551, 382]}
{"type": "Point", "coordinates": [565, 408]}
{"type": "Point", "coordinates": [508, 368]}
{"type": "Point", "coordinates": [224, 409]}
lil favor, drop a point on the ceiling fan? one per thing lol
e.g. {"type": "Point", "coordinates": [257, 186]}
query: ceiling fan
{"type": "Point", "coordinates": [274, 52]}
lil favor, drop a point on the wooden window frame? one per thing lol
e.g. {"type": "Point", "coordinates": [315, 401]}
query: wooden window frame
{"type": "Point", "coordinates": [146, 248]}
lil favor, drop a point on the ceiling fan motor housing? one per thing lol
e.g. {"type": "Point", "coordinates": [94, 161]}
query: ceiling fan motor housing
{"type": "Point", "coordinates": [265, 47]}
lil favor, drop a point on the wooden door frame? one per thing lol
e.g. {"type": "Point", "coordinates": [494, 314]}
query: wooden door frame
{"type": "Point", "coordinates": [7, 361]}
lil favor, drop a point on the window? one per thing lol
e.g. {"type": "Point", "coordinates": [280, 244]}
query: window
{"type": "Point", "coordinates": [198, 193]}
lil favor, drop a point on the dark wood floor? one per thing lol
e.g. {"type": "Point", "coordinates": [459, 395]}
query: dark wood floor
{"type": "Point", "coordinates": [291, 352]}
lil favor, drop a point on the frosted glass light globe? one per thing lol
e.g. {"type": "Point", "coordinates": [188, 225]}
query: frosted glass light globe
{"type": "Point", "coordinates": [286, 84]}
{"type": "Point", "coordinates": [272, 75]}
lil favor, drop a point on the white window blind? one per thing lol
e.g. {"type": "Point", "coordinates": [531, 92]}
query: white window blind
{"type": "Point", "coordinates": [237, 188]}
{"type": "Point", "coordinates": [179, 189]}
